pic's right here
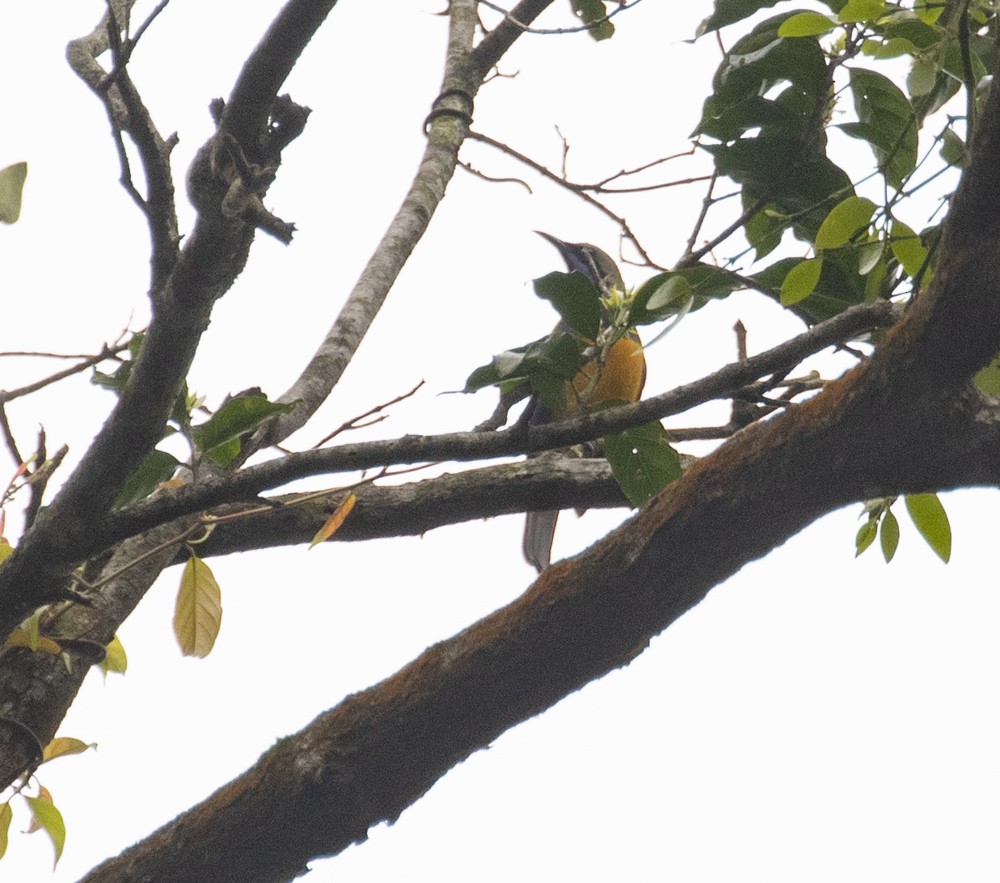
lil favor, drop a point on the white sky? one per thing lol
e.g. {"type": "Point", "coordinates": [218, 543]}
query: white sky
{"type": "Point", "coordinates": [816, 718]}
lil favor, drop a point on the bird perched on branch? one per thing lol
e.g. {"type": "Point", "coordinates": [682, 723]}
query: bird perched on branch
{"type": "Point", "coordinates": [615, 372]}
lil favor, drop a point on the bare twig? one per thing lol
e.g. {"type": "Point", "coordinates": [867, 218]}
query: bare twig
{"type": "Point", "coordinates": [40, 477]}
{"type": "Point", "coordinates": [8, 395]}
{"type": "Point", "coordinates": [574, 188]}
{"type": "Point", "coordinates": [472, 170]}
{"type": "Point", "coordinates": [645, 167]}
{"type": "Point", "coordinates": [128, 44]}
{"type": "Point", "coordinates": [692, 257]}
{"type": "Point", "coordinates": [509, 16]}
{"type": "Point", "coordinates": [493, 46]}
{"type": "Point", "coordinates": [8, 436]}
{"type": "Point", "coordinates": [741, 340]}
{"type": "Point", "coordinates": [357, 422]}
{"type": "Point", "coordinates": [706, 203]}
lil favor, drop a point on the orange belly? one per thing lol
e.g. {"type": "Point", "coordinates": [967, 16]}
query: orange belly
{"type": "Point", "coordinates": [621, 378]}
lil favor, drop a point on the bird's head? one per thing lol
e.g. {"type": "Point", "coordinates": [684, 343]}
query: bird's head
{"type": "Point", "coordinates": [596, 265]}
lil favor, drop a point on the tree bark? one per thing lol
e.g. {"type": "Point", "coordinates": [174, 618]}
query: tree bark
{"type": "Point", "coordinates": [906, 420]}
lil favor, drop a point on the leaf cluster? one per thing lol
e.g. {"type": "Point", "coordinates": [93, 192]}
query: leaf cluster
{"type": "Point", "coordinates": [218, 439]}
{"type": "Point", "coordinates": [559, 369]}
{"type": "Point", "coordinates": [928, 516]}
{"type": "Point", "coordinates": [766, 124]}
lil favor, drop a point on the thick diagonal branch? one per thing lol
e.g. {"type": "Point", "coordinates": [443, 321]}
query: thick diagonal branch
{"type": "Point", "coordinates": [380, 750]}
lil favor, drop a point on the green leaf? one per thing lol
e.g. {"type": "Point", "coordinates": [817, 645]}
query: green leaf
{"type": "Point", "coordinates": [839, 286]}
{"type": "Point", "coordinates": [889, 535]}
{"type": "Point", "coordinates": [869, 256]}
{"type": "Point", "coordinates": [893, 48]}
{"type": "Point", "coordinates": [861, 10]}
{"type": "Point", "coordinates": [545, 365]}
{"type": "Point", "coordinates": [953, 62]}
{"type": "Point", "coordinates": [671, 292]}
{"type": "Point", "coordinates": [594, 14]}
{"type": "Point", "coordinates": [11, 187]}
{"type": "Point", "coordinates": [866, 536]}
{"type": "Point", "coordinates": [729, 12]}
{"type": "Point", "coordinates": [808, 193]}
{"type": "Point", "coordinates": [743, 89]}
{"type": "Point", "coordinates": [953, 149]}
{"type": "Point", "coordinates": [116, 381]}
{"type": "Point", "coordinates": [50, 820]}
{"type": "Point", "coordinates": [642, 461]}
{"type": "Point", "coordinates": [156, 468]}
{"type": "Point", "coordinates": [911, 29]}
{"type": "Point", "coordinates": [764, 229]}
{"type": "Point", "coordinates": [886, 121]}
{"type": "Point", "coordinates": [988, 378]}
{"type": "Point", "coordinates": [198, 612]}
{"type": "Point", "coordinates": [575, 298]}
{"type": "Point", "coordinates": [806, 24]}
{"type": "Point", "coordinates": [218, 437]}
{"type": "Point", "coordinates": [875, 279]}
{"type": "Point", "coordinates": [907, 248]}
{"type": "Point", "coordinates": [844, 221]}
{"type": "Point", "coordinates": [798, 189]}
{"type": "Point", "coordinates": [6, 816]}
{"type": "Point", "coordinates": [801, 281]}
{"type": "Point", "coordinates": [929, 10]}
{"type": "Point", "coordinates": [932, 521]}
{"type": "Point", "coordinates": [922, 78]}
{"type": "Point", "coordinates": [225, 453]}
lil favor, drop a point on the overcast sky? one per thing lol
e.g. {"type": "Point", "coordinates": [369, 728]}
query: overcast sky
{"type": "Point", "coordinates": [816, 718]}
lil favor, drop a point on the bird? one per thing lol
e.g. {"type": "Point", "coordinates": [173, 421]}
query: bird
{"type": "Point", "coordinates": [618, 375]}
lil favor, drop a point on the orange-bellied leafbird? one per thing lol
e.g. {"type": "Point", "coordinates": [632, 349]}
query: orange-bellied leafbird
{"type": "Point", "coordinates": [615, 373]}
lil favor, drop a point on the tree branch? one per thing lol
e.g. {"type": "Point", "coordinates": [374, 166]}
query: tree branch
{"type": "Point", "coordinates": [227, 180]}
{"type": "Point", "coordinates": [128, 114]}
{"type": "Point", "coordinates": [465, 446]}
{"type": "Point", "coordinates": [36, 689]}
{"type": "Point", "coordinates": [412, 509]}
{"type": "Point", "coordinates": [446, 130]}
{"type": "Point", "coordinates": [247, 114]}
{"type": "Point", "coordinates": [496, 43]}
{"type": "Point", "coordinates": [874, 429]}
{"type": "Point", "coordinates": [200, 273]}
{"type": "Point", "coordinates": [380, 750]}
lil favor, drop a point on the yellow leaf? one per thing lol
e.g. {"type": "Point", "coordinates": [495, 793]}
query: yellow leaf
{"type": "Point", "coordinates": [49, 819]}
{"type": "Point", "coordinates": [6, 549]}
{"type": "Point", "coordinates": [11, 185]}
{"type": "Point", "coordinates": [114, 657]}
{"type": "Point", "coordinates": [31, 626]}
{"type": "Point", "coordinates": [63, 745]}
{"type": "Point", "coordinates": [198, 614]}
{"type": "Point", "coordinates": [6, 814]}
{"type": "Point", "coordinates": [334, 521]}
{"type": "Point", "coordinates": [21, 637]}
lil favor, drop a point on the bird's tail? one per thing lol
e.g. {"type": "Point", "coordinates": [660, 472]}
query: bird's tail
{"type": "Point", "coordinates": [539, 528]}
